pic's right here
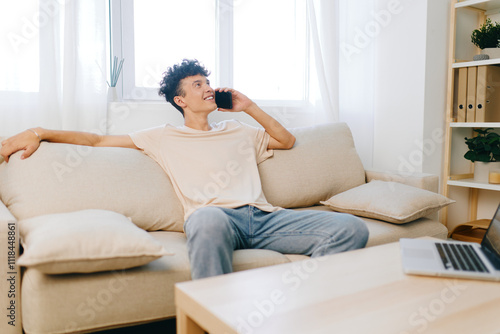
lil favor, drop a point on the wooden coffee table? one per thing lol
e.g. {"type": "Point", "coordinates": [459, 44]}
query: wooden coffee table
{"type": "Point", "coordinates": [363, 291]}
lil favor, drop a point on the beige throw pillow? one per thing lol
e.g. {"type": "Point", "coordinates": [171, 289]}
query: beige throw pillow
{"type": "Point", "coordinates": [85, 241]}
{"type": "Point", "coordinates": [389, 201]}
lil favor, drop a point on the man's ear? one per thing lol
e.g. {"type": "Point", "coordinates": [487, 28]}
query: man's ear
{"type": "Point", "coordinates": [179, 101]}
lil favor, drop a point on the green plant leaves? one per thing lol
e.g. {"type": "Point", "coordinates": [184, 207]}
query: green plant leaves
{"type": "Point", "coordinates": [484, 147]}
{"type": "Point", "coordinates": [487, 36]}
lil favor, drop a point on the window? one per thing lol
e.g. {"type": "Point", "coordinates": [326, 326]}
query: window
{"type": "Point", "coordinates": [19, 59]}
{"type": "Point", "coordinates": [256, 46]}
{"type": "Point", "coordinates": [168, 31]}
{"type": "Point", "coordinates": [270, 49]}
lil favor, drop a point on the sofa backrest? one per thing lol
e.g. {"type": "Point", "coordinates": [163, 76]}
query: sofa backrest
{"type": "Point", "coordinates": [62, 178]}
{"type": "Point", "coordinates": [322, 163]}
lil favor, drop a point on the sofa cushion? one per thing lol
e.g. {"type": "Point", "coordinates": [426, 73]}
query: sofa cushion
{"type": "Point", "coordinates": [380, 232]}
{"type": "Point", "coordinates": [84, 242]}
{"type": "Point", "coordinates": [393, 202]}
{"type": "Point", "coordinates": [103, 300]}
{"type": "Point", "coordinates": [322, 163]}
{"type": "Point", "coordinates": [63, 178]}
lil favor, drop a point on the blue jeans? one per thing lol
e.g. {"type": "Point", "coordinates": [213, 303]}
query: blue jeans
{"type": "Point", "coordinates": [213, 233]}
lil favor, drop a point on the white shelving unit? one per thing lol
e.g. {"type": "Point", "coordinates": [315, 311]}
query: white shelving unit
{"type": "Point", "coordinates": [458, 183]}
{"type": "Point", "coordinates": [495, 61]}
{"type": "Point", "coordinates": [484, 5]}
{"type": "Point", "coordinates": [474, 125]}
{"type": "Point", "coordinates": [469, 183]}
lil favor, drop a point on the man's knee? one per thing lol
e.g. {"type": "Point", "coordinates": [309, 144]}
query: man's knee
{"type": "Point", "coordinates": [210, 242]}
{"type": "Point", "coordinates": [358, 230]}
{"type": "Point", "coordinates": [207, 220]}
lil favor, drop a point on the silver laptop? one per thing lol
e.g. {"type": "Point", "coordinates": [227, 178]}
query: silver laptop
{"type": "Point", "coordinates": [455, 258]}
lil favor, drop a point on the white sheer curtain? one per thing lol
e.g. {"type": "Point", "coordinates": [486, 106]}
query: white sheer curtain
{"type": "Point", "coordinates": [341, 82]}
{"type": "Point", "coordinates": [323, 85]}
{"type": "Point", "coordinates": [358, 31]}
{"type": "Point", "coordinates": [71, 89]}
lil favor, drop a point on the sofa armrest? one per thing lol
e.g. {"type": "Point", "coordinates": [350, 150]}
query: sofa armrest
{"type": "Point", "coordinates": [10, 274]}
{"type": "Point", "coordinates": [420, 180]}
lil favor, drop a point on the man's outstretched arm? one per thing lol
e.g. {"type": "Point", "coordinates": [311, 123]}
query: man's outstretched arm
{"type": "Point", "coordinates": [29, 141]}
{"type": "Point", "coordinates": [281, 138]}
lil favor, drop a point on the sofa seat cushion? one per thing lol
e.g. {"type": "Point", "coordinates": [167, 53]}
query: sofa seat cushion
{"type": "Point", "coordinates": [84, 242]}
{"type": "Point", "coordinates": [82, 302]}
{"type": "Point", "coordinates": [63, 178]}
{"type": "Point", "coordinates": [381, 232]}
{"type": "Point", "coordinates": [322, 163]}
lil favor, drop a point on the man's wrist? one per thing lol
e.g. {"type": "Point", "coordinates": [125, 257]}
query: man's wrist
{"type": "Point", "coordinates": [36, 133]}
{"type": "Point", "coordinates": [252, 109]}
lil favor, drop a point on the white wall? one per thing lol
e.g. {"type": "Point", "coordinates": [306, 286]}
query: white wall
{"type": "Point", "coordinates": [410, 86]}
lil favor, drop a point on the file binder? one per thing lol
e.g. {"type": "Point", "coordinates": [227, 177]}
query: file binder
{"type": "Point", "coordinates": [461, 106]}
{"type": "Point", "coordinates": [488, 94]}
{"type": "Point", "coordinates": [471, 93]}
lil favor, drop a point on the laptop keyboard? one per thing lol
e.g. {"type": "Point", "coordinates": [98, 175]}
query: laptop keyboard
{"type": "Point", "coordinates": [460, 257]}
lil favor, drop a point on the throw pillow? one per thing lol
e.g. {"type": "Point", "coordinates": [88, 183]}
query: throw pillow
{"type": "Point", "coordinates": [389, 201]}
{"type": "Point", "coordinates": [84, 242]}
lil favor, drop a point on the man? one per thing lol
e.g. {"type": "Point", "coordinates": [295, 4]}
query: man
{"type": "Point", "coordinates": [232, 213]}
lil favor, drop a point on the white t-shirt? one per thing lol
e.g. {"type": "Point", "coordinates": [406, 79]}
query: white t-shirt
{"type": "Point", "coordinates": [210, 168]}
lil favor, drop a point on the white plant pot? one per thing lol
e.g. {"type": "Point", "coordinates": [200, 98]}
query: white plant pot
{"type": "Point", "coordinates": [482, 170]}
{"type": "Point", "coordinates": [113, 95]}
{"type": "Point", "coordinates": [492, 52]}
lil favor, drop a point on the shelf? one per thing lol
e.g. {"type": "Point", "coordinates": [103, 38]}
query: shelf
{"type": "Point", "coordinates": [461, 187]}
{"type": "Point", "coordinates": [469, 183]}
{"type": "Point", "coordinates": [494, 61]}
{"type": "Point", "coordinates": [479, 4]}
{"type": "Point", "coordinates": [474, 125]}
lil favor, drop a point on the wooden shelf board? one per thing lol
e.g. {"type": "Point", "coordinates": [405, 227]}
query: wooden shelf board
{"type": "Point", "coordinates": [475, 125]}
{"type": "Point", "coordinates": [479, 4]}
{"type": "Point", "coordinates": [469, 183]}
{"type": "Point", "coordinates": [494, 61]}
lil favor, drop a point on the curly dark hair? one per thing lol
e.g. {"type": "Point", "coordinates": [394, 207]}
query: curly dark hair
{"type": "Point", "coordinates": [170, 86]}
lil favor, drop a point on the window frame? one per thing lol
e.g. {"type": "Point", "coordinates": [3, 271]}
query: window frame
{"type": "Point", "coordinates": [122, 46]}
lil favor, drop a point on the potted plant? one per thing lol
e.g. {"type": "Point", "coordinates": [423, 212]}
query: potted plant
{"type": "Point", "coordinates": [484, 152]}
{"type": "Point", "coordinates": [487, 39]}
{"type": "Point", "coordinates": [114, 74]}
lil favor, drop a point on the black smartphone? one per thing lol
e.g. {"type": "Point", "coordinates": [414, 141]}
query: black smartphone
{"type": "Point", "coordinates": [224, 99]}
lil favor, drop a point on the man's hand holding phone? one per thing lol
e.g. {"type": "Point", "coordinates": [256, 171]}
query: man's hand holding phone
{"type": "Point", "coordinates": [231, 100]}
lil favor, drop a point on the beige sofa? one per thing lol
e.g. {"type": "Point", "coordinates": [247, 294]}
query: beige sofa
{"type": "Point", "coordinates": [62, 178]}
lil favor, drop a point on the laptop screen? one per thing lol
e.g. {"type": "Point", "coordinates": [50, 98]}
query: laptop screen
{"type": "Point", "coordinates": [491, 240]}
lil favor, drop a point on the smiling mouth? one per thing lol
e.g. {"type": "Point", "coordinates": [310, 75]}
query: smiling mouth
{"type": "Point", "coordinates": [209, 98]}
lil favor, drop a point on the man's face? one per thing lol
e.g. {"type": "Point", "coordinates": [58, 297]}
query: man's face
{"type": "Point", "coordinates": [198, 95]}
